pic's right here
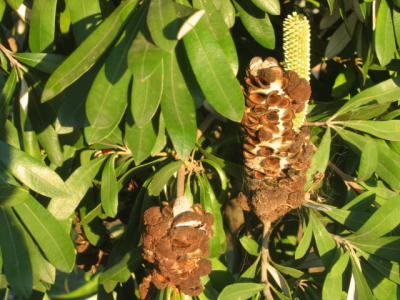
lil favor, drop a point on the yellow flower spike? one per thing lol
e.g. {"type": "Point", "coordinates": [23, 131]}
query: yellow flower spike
{"type": "Point", "coordinates": [296, 44]}
{"type": "Point", "coordinates": [296, 47]}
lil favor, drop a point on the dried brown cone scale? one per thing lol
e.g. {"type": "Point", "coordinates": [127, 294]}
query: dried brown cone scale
{"type": "Point", "coordinates": [276, 155]}
{"type": "Point", "coordinates": [176, 248]}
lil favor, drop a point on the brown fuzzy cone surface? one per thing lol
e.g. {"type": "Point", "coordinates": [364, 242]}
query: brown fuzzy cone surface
{"type": "Point", "coordinates": [176, 247]}
{"type": "Point", "coordinates": [276, 155]}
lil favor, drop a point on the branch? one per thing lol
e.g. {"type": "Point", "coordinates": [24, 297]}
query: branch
{"type": "Point", "coordinates": [347, 179]}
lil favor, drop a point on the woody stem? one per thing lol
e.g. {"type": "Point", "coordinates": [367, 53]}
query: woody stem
{"type": "Point", "coordinates": [265, 260]}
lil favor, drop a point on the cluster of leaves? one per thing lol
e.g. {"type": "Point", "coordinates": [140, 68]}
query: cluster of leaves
{"type": "Point", "coordinates": [99, 107]}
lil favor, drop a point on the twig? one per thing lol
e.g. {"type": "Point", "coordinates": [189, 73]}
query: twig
{"type": "Point", "coordinates": [180, 181]}
{"type": "Point", "coordinates": [204, 125]}
{"type": "Point", "coordinates": [265, 260]}
{"type": "Point", "coordinates": [347, 179]}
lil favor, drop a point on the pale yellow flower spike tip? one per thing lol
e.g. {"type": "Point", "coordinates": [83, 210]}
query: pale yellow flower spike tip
{"type": "Point", "coordinates": [296, 47]}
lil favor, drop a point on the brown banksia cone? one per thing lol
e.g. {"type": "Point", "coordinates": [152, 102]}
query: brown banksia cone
{"type": "Point", "coordinates": [276, 153]}
{"type": "Point", "coordinates": [175, 248]}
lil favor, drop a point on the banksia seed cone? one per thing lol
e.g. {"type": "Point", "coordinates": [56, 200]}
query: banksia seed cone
{"type": "Point", "coordinates": [276, 156]}
{"type": "Point", "coordinates": [277, 150]}
{"type": "Point", "coordinates": [176, 247]}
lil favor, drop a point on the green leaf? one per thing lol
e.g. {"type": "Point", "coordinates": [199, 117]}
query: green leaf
{"type": "Point", "coordinates": [145, 61]}
{"type": "Point", "coordinates": [385, 43]}
{"type": "Point", "coordinates": [333, 280]}
{"type": "Point", "coordinates": [385, 247]}
{"type": "Point", "coordinates": [88, 288]}
{"type": "Point", "coordinates": [272, 7]}
{"type": "Point", "coordinates": [109, 189]}
{"type": "Point", "coordinates": [251, 271]}
{"type": "Point", "coordinates": [162, 23]}
{"type": "Point", "coordinates": [362, 288]}
{"type": "Point", "coordinates": [331, 4]}
{"type": "Point", "coordinates": [84, 57]}
{"type": "Point", "coordinates": [140, 141]}
{"type": "Point", "coordinates": [107, 99]}
{"type": "Point", "coordinates": [368, 161]}
{"type": "Point", "coordinates": [388, 130]}
{"type": "Point", "coordinates": [305, 243]}
{"type": "Point", "coordinates": [374, 227]}
{"type": "Point", "coordinates": [6, 95]}
{"type": "Point", "coordinates": [45, 62]}
{"type": "Point", "coordinates": [217, 243]}
{"type": "Point", "coordinates": [227, 10]}
{"type": "Point", "coordinates": [382, 288]}
{"type": "Point", "coordinates": [213, 73]}
{"type": "Point", "coordinates": [325, 244]}
{"type": "Point", "coordinates": [396, 24]}
{"type": "Point", "coordinates": [387, 167]}
{"type": "Point", "coordinates": [387, 268]}
{"type": "Point", "coordinates": [384, 92]}
{"type": "Point", "coordinates": [42, 25]}
{"type": "Point", "coordinates": [219, 31]}
{"type": "Point", "coordinates": [32, 172]}
{"type": "Point", "coordinates": [11, 195]}
{"type": "Point", "coordinates": [17, 265]}
{"type": "Point", "coordinates": [121, 270]}
{"type": "Point", "coordinates": [257, 23]}
{"type": "Point", "coordinates": [178, 109]}
{"type": "Point", "coordinates": [85, 16]}
{"type": "Point", "coordinates": [240, 291]}
{"type": "Point", "coordinates": [79, 182]}
{"type": "Point", "coordinates": [250, 245]}
{"type": "Point", "coordinates": [162, 177]}
{"type": "Point", "coordinates": [320, 159]}
{"type": "Point", "coordinates": [341, 37]}
{"type": "Point", "coordinates": [48, 233]}
{"type": "Point", "coordinates": [161, 139]}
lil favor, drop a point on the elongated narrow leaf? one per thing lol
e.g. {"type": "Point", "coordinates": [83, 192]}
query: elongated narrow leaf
{"type": "Point", "coordinates": [45, 62]}
{"type": "Point", "coordinates": [17, 265]}
{"type": "Point", "coordinates": [320, 159]}
{"type": "Point", "coordinates": [42, 25]}
{"type": "Point", "coordinates": [240, 291]}
{"type": "Point", "coordinates": [257, 23]}
{"type": "Point", "coordinates": [85, 16]}
{"type": "Point", "coordinates": [140, 141]}
{"type": "Point", "coordinates": [85, 290]}
{"type": "Point", "coordinates": [79, 182]}
{"type": "Point", "coordinates": [250, 245]}
{"type": "Point", "coordinates": [374, 227]}
{"type": "Point", "coordinates": [333, 280]}
{"type": "Point", "coordinates": [84, 57]}
{"type": "Point", "coordinates": [109, 189]}
{"type": "Point", "coordinates": [272, 7]}
{"type": "Point", "coordinates": [368, 161]}
{"type": "Point", "coordinates": [163, 27]}
{"type": "Point", "coordinates": [362, 287]}
{"type": "Point", "coordinates": [11, 195]}
{"type": "Point", "coordinates": [388, 269]}
{"type": "Point", "coordinates": [177, 108]}
{"type": "Point", "coordinates": [385, 42]}
{"type": "Point", "coordinates": [48, 233]}
{"type": "Point", "coordinates": [388, 130]}
{"type": "Point", "coordinates": [213, 72]}
{"type": "Point", "coordinates": [219, 31]}
{"type": "Point", "coordinates": [217, 243]}
{"type": "Point", "coordinates": [6, 95]}
{"type": "Point", "coordinates": [146, 63]}
{"type": "Point", "coordinates": [341, 37]}
{"type": "Point", "coordinates": [385, 247]}
{"type": "Point", "coordinates": [227, 11]}
{"type": "Point", "coordinates": [387, 167]}
{"type": "Point", "coordinates": [161, 139]}
{"type": "Point", "coordinates": [162, 176]}
{"type": "Point", "coordinates": [325, 243]}
{"type": "Point", "coordinates": [32, 172]}
{"type": "Point", "coordinates": [107, 99]}
{"type": "Point", "coordinates": [305, 242]}
{"type": "Point", "coordinates": [384, 92]}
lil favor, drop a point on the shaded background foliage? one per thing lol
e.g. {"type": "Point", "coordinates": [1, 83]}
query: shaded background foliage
{"type": "Point", "coordinates": [102, 101]}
